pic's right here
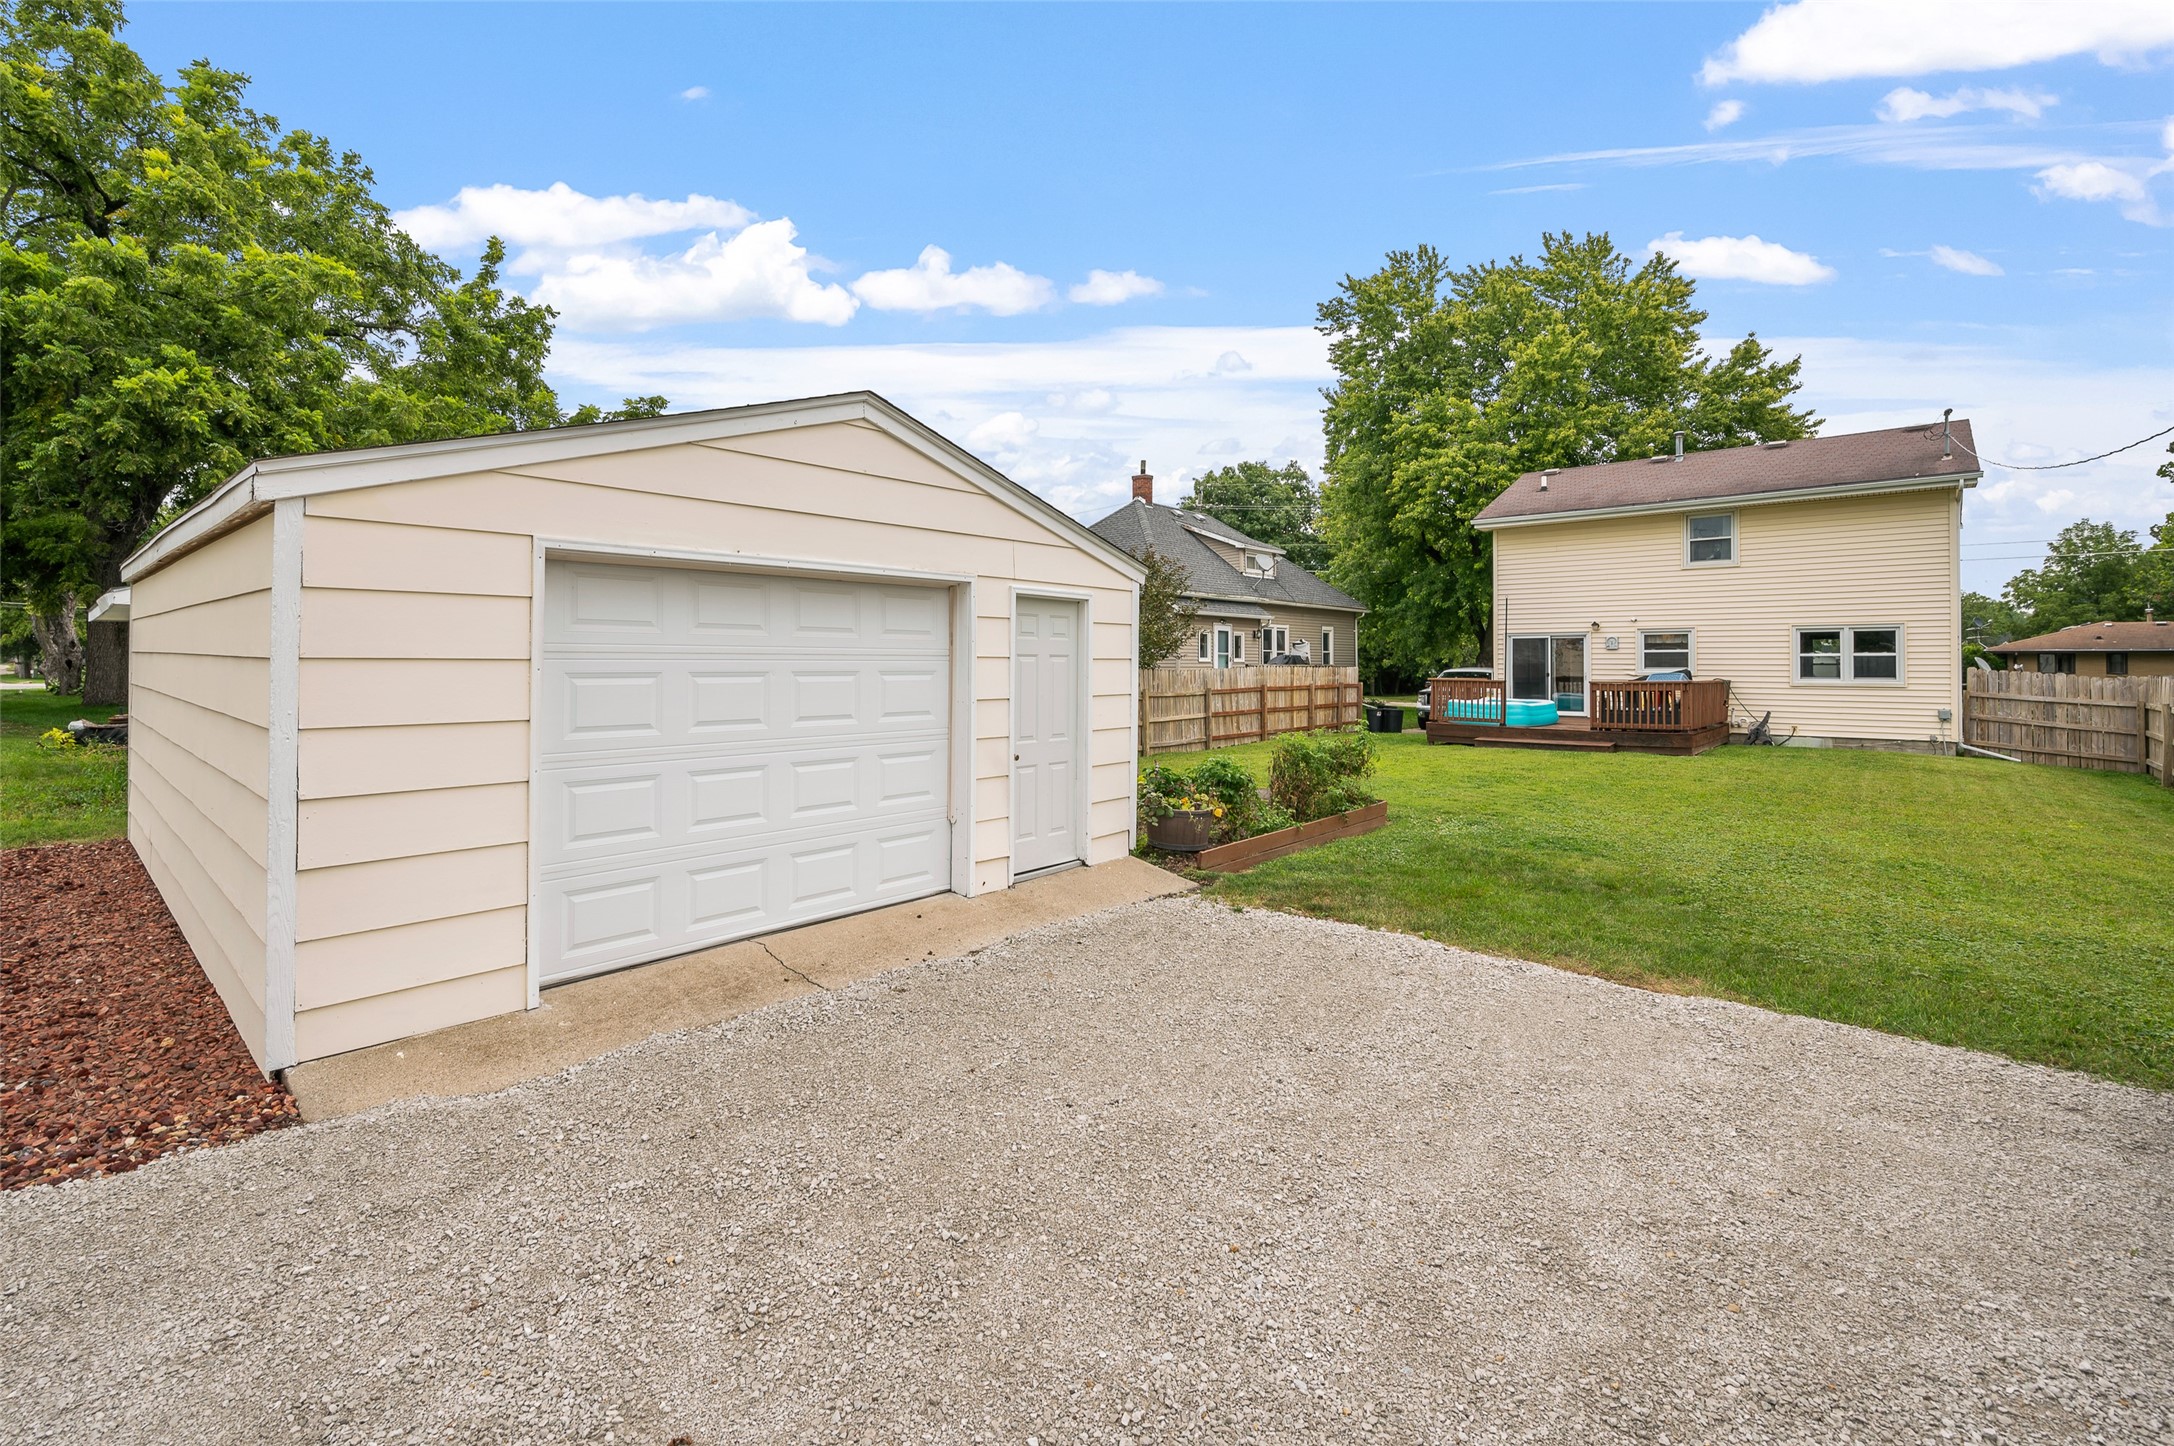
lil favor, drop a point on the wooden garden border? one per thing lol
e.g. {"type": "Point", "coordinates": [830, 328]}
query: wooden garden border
{"type": "Point", "coordinates": [1244, 853]}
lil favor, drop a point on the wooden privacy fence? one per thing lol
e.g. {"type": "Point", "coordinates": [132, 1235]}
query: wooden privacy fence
{"type": "Point", "coordinates": [2125, 724]}
{"type": "Point", "coordinates": [1185, 708]}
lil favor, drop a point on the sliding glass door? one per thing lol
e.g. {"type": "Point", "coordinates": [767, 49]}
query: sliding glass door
{"type": "Point", "coordinates": [1549, 668]}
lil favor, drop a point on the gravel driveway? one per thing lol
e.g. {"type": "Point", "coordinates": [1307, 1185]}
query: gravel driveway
{"type": "Point", "coordinates": [1172, 1173]}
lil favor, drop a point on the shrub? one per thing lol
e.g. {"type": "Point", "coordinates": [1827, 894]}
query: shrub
{"type": "Point", "coordinates": [1313, 775]}
{"type": "Point", "coordinates": [1218, 785]}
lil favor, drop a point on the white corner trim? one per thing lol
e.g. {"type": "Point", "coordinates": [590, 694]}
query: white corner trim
{"type": "Point", "coordinates": [283, 785]}
{"type": "Point", "coordinates": [1730, 503]}
{"type": "Point", "coordinates": [533, 947]}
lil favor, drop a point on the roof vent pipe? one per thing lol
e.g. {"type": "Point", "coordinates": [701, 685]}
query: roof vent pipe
{"type": "Point", "coordinates": [1545, 474]}
{"type": "Point", "coordinates": [1679, 446]}
{"type": "Point", "coordinates": [1947, 438]}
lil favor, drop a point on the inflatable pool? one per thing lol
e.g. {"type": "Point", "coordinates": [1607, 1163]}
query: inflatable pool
{"type": "Point", "coordinates": [1524, 712]}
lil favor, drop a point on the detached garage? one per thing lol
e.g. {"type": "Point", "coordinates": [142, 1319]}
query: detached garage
{"type": "Point", "coordinates": [419, 731]}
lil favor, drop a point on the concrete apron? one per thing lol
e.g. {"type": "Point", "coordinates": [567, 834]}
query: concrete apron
{"type": "Point", "coordinates": [579, 1021]}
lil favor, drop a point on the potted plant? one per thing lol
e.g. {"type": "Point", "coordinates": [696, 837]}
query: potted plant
{"type": "Point", "coordinates": [1178, 820]}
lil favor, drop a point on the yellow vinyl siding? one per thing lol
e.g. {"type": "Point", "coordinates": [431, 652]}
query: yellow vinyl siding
{"type": "Point", "coordinates": [415, 684]}
{"type": "Point", "coordinates": [200, 632]}
{"type": "Point", "coordinates": [1865, 561]}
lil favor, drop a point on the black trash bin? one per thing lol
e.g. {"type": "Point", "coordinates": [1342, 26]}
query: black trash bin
{"type": "Point", "coordinates": [1384, 718]}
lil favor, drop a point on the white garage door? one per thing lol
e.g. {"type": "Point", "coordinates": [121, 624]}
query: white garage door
{"type": "Point", "coordinates": [725, 754]}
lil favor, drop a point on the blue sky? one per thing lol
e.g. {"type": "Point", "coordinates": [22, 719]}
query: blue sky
{"type": "Point", "coordinates": [1136, 208]}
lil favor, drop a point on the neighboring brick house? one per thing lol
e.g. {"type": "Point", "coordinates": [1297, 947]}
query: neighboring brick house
{"type": "Point", "coordinates": [1255, 603]}
{"type": "Point", "coordinates": [2098, 650]}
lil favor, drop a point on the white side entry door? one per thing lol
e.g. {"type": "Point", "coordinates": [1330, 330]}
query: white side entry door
{"type": "Point", "coordinates": [1045, 734]}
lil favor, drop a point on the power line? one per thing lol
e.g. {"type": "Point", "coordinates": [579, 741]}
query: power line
{"type": "Point", "coordinates": [2056, 466]}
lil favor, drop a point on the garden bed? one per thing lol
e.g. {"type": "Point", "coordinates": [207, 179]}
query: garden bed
{"type": "Point", "coordinates": [116, 1049]}
{"type": "Point", "coordinates": [1241, 854]}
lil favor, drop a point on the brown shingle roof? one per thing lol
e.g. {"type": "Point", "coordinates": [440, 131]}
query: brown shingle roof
{"type": "Point", "coordinates": [2153, 637]}
{"type": "Point", "coordinates": [1856, 459]}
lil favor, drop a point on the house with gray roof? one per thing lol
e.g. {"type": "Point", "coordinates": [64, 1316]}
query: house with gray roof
{"type": "Point", "coordinates": [1255, 603]}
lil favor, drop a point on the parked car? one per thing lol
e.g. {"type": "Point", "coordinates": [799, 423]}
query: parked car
{"type": "Point", "coordinates": [1426, 688]}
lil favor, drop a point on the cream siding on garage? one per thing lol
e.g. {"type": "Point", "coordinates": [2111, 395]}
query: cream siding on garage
{"type": "Point", "coordinates": [200, 640]}
{"type": "Point", "coordinates": [1881, 560]}
{"type": "Point", "coordinates": [414, 754]}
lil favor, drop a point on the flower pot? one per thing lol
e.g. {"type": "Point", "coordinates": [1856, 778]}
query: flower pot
{"type": "Point", "coordinates": [1187, 831]}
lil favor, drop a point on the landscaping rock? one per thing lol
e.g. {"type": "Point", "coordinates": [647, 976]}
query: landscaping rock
{"type": "Point", "coordinates": [1172, 1173]}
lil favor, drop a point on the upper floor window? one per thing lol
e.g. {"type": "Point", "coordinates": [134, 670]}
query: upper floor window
{"type": "Point", "coordinates": [1849, 655]}
{"type": "Point", "coordinates": [1260, 564]}
{"type": "Point", "coordinates": [1709, 539]}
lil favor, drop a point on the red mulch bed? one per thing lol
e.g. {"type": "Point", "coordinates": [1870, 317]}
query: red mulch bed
{"type": "Point", "coordinates": [114, 1049]}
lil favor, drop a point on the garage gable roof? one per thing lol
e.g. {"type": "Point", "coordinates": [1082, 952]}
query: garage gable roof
{"type": "Point", "coordinates": [251, 491]}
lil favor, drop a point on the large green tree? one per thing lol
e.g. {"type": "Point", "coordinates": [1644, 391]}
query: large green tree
{"type": "Point", "coordinates": [1451, 383]}
{"type": "Point", "coordinates": [186, 287]}
{"type": "Point", "coordinates": [1278, 505]}
{"type": "Point", "coordinates": [2093, 572]}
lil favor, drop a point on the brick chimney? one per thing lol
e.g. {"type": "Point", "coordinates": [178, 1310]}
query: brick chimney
{"type": "Point", "coordinates": [1143, 486]}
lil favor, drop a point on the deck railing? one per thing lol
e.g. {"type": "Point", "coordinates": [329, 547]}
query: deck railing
{"type": "Point", "coordinates": [1466, 700]}
{"type": "Point", "coordinates": [1659, 707]}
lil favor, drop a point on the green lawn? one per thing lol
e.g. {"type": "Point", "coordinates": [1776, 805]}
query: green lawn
{"type": "Point", "coordinates": [49, 795]}
{"type": "Point", "coordinates": [2019, 909]}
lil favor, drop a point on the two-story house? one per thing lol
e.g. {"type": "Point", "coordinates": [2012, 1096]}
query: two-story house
{"type": "Point", "coordinates": [1254, 602]}
{"type": "Point", "coordinates": [1820, 577]}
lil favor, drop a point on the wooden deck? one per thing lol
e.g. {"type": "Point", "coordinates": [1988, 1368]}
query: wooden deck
{"type": "Point", "coordinates": [1681, 718]}
{"type": "Point", "coordinates": [1575, 734]}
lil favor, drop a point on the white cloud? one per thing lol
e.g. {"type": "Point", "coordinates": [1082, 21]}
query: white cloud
{"type": "Point", "coordinates": [1231, 363]}
{"type": "Point", "coordinates": [1724, 113]}
{"type": "Point", "coordinates": [695, 92]}
{"type": "Point", "coordinates": [1096, 405]}
{"type": "Point", "coordinates": [2100, 181]}
{"type": "Point", "coordinates": [1969, 263]}
{"type": "Point", "coordinates": [2092, 181]}
{"type": "Point", "coordinates": [759, 272]}
{"type": "Point", "coordinates": [1740, 258]}
{"type": "Point", "coordinates": [1820, 40]}
{"type": "Point", "coordinates": [1108, 288]}
{"type": "Point", "coordinates": [1535, 190]}
{"type": "Point", "coordinates": [931, 285]}
{"type": "Point", "coordinates": [562, 218]}
{"type": "Point", "coordinates": [1903, 104]}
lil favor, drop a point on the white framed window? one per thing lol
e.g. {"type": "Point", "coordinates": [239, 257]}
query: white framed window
{"type": "Point", "coordinates": [1275, 642]}
{"type": "Point", "coordinates": [1664, 652]}
{"type": "Point", "coordinates": [1709, 539]}
{"type": "Point", "coordinates": [1260, 564]}
{"type": "Point", "coordinates": [1328, 648]}
{"type": "Point", "coordinates": [1205, 645]}
{"type": "Point", "coordinates": [1237, 647]}
{"type": "Point", "coordinates": [1861, 654]}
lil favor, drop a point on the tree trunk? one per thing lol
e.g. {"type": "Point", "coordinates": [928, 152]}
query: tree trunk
{"type": "Point", "coordinates": [105, 666]}
{"type": "Point", "coordinates": [60, 651]}
{"type": "Point", "coordinates": [105, 659]}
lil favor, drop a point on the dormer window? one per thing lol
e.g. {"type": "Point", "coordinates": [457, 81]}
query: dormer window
{"type": "Point", "coordinates": [1260, 564]}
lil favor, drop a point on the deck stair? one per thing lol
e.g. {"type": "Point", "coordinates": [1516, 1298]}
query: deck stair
{"type": "Point", "coordinates": [1559, 742]}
